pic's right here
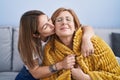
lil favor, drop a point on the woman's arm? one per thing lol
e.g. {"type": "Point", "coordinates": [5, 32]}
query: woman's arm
{"type": "Point", "coordinates": [39, 72]}
{"type": "Point", "coordinates": [87, 46]}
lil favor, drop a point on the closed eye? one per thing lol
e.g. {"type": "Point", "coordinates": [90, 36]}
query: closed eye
{"type": "Point", "coordinates": [59, 20]}
{"type": "Point", "coordinates": [68, 19]}
{"type": "Point", "coordinates": [44, 26]}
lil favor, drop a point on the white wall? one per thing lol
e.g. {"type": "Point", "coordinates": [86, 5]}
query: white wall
{"type": "Point", "coordinates": [97, 13]}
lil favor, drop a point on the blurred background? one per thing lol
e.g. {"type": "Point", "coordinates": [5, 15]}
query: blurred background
{"type": "Point", "coordinates": [96, 13]}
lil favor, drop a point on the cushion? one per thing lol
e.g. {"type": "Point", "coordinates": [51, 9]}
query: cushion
{"type": "Point", "coordinates": [17, 62]}
{"type": "Point", "coordinates": [8, 75]}
{"type": "Point", "coordinates": [104, 34]}
{"type": "Point", "coordinates": [116, 43]}
{"type": "Point", "coordinates": [5, 48]}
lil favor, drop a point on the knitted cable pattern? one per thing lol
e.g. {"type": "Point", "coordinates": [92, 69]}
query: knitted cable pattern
{"type": "Point", "coordinates": [101, 65]}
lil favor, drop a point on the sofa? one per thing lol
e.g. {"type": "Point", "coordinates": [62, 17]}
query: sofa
{"type": "Point", "coordinates": [10, 62]}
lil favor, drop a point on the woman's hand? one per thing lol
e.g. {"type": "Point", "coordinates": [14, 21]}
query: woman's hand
{"type": "Point", "coordinates": [78, 74]}
{"type": "Point", "coordinates": [67, 63]}
{"type": "Point", "coordinates": [87, 47]}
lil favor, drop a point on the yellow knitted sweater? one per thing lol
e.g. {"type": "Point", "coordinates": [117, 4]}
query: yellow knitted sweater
{"type": "Point", "coordinates": [101, 65]}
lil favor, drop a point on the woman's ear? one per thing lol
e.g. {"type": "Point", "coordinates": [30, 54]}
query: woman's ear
{"type": "Point", "coordinates": [36, 36]}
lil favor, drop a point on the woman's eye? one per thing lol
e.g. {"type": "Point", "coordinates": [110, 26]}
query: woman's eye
{"type": "Point", "coordinates": [68, 19]}
{"type": "Point", "coordinates": [45, 26]}
{"type": "Point", "coordinates": [59, 20]}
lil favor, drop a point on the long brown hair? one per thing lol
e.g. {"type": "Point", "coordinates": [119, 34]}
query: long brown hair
{"type": "Point", "coordinates": [59, 10]}
{"type": "Point", "coordinates": [27, 44]}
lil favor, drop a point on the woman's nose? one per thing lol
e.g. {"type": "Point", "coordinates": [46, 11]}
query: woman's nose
{"type": "Point", "coordinates": [64, 21]}
{"type": "Point", "coordinates": [51, 25]}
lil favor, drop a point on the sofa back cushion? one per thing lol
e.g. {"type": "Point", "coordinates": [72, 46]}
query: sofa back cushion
{"type": "Point", "coordinates": [116, 43]}
{"type": "Point", "coordinates": [5, 48]}
{"type": "Point", "coordinates": [17, 62]}
{"type": "Point", "coordinates": [106, 33]}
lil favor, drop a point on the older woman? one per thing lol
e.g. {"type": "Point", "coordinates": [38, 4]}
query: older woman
{"type": "Point", "coordinates": [102, 65]}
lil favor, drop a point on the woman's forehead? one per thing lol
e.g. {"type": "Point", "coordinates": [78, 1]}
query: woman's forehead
{"type": "Point", "coordinates": [64, 13]}
{"type": "Point", "coordinates": [43, 18]}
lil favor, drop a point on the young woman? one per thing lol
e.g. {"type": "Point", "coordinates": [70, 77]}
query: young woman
{"type": "Point", "coordinates": [101, 65]}
{"type": "Point", "coordinates": [34, 32]}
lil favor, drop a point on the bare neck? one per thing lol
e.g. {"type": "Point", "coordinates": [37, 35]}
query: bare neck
{"type": "Point", "coordinates": [67, 41]}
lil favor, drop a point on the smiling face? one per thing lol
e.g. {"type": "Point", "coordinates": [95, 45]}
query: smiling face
{"type": "Point", "coordinates": [45, 26]}
{"type": "Point", "coordinates": [64, 24]}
